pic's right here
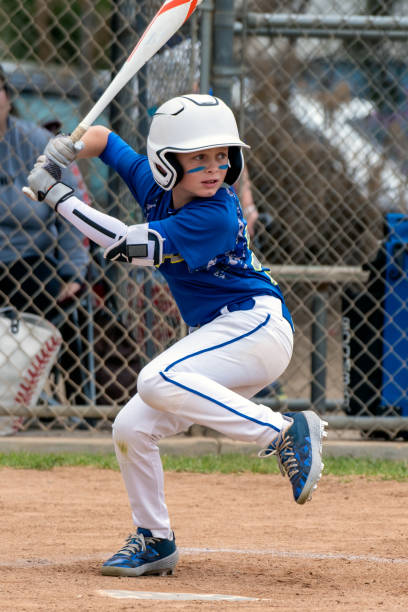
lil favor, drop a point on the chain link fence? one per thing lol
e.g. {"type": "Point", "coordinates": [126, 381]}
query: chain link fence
{"type": "Point", "coordinates": [319, 89]}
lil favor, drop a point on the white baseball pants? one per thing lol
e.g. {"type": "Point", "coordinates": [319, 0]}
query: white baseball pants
{"type": "Point", "coordinates": [205, 378]}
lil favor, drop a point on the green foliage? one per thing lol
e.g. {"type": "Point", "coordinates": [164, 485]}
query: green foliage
{"type": "Point", "coordinates": [16, 32]}
{"type": "Point", "coordinates": [53, 31]}
{"type": "Point", "coordinates": [225, 464]}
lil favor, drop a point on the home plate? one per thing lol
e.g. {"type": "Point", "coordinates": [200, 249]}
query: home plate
{"type": "Point", "coordinates": [172, 596]}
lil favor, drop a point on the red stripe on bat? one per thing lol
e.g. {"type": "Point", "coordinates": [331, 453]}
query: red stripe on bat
{"type": "Point", "coordinates": [191, 10]}
{"type": "Point", "coordinates": [175, 4]}
{"type": "Point", "coordinates": [164, 9]}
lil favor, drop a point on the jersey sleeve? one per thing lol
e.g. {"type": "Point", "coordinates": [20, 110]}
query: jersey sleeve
{"type": "Point", "coordinates": [133, 168]}
{"type": "Point", "coordinates": [199, 232]}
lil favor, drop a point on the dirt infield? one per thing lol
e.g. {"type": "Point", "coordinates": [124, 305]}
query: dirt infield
{"type": "Point", "coordinates": [238, 535]}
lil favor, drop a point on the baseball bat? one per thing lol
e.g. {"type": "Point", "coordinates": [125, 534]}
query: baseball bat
{"type": "Point", "coordinates": [168, 19]}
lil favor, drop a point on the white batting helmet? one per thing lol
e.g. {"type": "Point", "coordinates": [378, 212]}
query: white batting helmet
{"type": "Point", "coordinates": [193, 122]}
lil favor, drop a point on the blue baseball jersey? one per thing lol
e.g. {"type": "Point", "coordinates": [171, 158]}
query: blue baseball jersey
{"type": "Point", "coordinates": [207, 260]}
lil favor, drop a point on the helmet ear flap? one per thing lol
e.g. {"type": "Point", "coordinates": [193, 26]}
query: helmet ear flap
{"type": "Point", "coordinates": [174, 162]}
{"type": "Point", "coordinates": [236, 159]}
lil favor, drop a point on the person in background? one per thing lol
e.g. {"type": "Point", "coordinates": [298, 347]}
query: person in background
{"type": "Point", "coordinates": [244, 190]}
{"type": "Point", "coordinates": [43, 259]}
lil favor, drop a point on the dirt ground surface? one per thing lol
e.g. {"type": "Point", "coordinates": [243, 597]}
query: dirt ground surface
{"type": "Point", "coordinates": [239, 535]}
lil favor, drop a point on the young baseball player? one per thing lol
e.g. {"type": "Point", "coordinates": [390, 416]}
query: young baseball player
{"type": "Point", "coordinates": [241, 331]}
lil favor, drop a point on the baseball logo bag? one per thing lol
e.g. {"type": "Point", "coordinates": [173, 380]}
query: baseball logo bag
{"type": "Point", "coordinates": [29, 347]}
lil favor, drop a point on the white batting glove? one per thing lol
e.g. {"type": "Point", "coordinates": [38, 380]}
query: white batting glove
{"type": "Point", "coordinates": [62, 150]}
{"type": "Point", "coordinates": [44, 182]}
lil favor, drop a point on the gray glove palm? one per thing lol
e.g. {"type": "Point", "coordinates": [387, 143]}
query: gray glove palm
{"type": "Point", "coordinates": [62, 150]}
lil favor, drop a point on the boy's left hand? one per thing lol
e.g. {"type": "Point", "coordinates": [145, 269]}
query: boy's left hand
{"type": "Point", "coordinates": [44, 182]}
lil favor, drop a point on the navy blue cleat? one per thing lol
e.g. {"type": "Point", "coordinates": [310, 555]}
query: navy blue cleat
{"type": "Point", "coordinates": [142, 555]}
{"type": "Point", "coordinates": [299, 452]}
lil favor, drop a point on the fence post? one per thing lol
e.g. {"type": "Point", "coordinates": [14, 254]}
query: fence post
{"type": "Point", "coordinates": [319, 350]}
{"type": "Point", "coordinates": [207, 10]}
{"type": "Point", "coordinates": [223, 68]}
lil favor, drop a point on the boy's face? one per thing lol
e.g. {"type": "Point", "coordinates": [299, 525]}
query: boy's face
{"type": "Point", "coordinates": [204, 173]}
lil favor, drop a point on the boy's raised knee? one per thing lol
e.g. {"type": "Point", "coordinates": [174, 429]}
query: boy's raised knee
{"type": "Point", "coordinates": [151, 388]}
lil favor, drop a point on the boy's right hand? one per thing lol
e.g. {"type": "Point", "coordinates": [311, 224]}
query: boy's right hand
{"type": "Point", "coordinates": [62, 150]}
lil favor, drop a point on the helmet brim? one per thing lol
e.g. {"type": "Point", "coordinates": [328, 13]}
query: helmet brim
{"type": "Point", "coordinates": [195, 145]}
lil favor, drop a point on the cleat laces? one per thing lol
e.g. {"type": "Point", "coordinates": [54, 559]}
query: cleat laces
{"type": "Point", "coordinates": [136, 544]}
{"type": "Point", "coordinates": [282, 448]}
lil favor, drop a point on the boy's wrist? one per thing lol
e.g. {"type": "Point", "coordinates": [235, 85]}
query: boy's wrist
{"type": "Point", "coordinates": [57, 194]}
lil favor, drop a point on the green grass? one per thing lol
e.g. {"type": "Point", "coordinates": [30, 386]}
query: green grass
{"type": "Point", "coordinates": [383, 469]}
{"type": "Point", "coordinates": [40, 461]}
{"type": "Point", "coordinates": [225, 464]}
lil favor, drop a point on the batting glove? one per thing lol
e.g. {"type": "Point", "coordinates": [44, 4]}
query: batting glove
{"type": "Point", "coordinates": [62, 150]}
{"type": "Point", "coordinates": [44, 182]}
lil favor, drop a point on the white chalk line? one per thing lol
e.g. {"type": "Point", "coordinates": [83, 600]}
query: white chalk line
{"type": "Point", "coordinates": [38, 562]}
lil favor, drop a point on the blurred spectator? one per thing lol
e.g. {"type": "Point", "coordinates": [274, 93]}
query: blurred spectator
{"type": "Point", "coordinates": [34, 242]}
{"type": "Point", "coordinates": [244, 190]}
